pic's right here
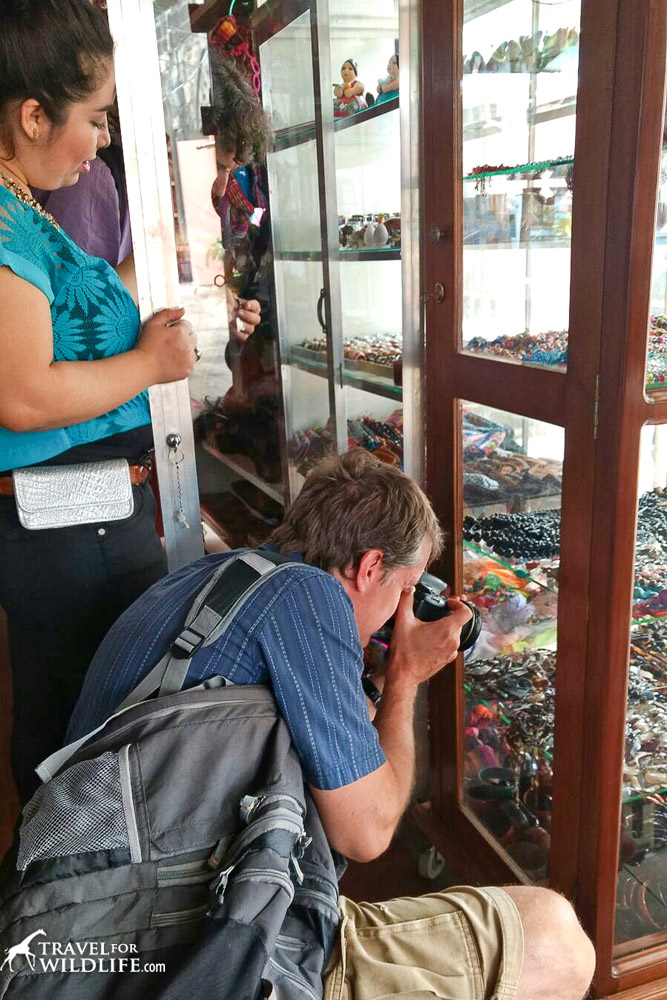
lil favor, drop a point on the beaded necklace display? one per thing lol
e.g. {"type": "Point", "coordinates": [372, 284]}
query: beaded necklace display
{"type": "Point", "coordinates": [27, 199]}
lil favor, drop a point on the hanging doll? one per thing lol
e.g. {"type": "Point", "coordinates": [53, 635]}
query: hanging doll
{"type": "Point", "coordinates": [348, 98]}
{"type": "Point", "coordinates": [388, 85]}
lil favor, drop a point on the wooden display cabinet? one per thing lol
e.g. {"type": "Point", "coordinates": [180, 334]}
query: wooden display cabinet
{"type": "Point", "coordinates": [563, 800]}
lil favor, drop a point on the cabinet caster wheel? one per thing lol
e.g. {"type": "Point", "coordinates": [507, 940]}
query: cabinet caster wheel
{"type": "Point", "coordinates": [431, 863]}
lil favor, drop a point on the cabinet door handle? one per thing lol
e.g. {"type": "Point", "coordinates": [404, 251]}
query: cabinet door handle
{"type": "Point", "coordinates": [435, 234]}
{"type": "Point", "coordinates": [438, 293]}
{"type": "Point", "coordinates": [320, 312]}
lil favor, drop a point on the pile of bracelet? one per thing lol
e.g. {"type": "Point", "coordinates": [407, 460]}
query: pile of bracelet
{"type": "Point", "coordinates": [307, 447]}
{"type": "Point", "coordinates": [382, 437]}
{"type": "Point", "coordinates": [648, 640]}
{"type": "Point", "coordinates": [380, 350]}
{"type": "Point", "coordinates": [533, 535]}
{"type": "Point", "coordinates": [518, 607]}
{"type": "Point", "coordinates": [641, 902]}
{"type": "Point", "coordinates": [514, 475]}
{"type": "Point", "coordinates": [656, 362]}
{"type": "Point", "coordinates": [482, 436]}
{"type": "Point", "coordinates": [508, 745]}
{"type": "Point", "coordinates": [650, 590]}
{"type": "Point", "coordinates": [645, 767]}
{"type": "Point", "coordinates": [640, 898]}
{"type": "Point", "coordinates": [548, 348]}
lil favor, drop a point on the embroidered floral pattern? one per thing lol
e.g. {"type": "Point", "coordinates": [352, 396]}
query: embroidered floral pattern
{"type": "Point", "coordinates": [22, 231]}
{"type": "Point", "coordinates": [92, 314]}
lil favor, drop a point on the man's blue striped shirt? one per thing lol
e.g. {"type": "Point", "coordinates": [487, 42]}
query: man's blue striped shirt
{"type": "Point", "coordinates": [296, 634]}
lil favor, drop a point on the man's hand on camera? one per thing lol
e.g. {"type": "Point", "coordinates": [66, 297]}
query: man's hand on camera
{"type": "Point", "coordinates": [420, 649]}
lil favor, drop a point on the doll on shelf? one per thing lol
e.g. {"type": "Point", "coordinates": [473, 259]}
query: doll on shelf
{"type": "Point", "coordinates": [349, 97]}
{"type": "Point", "coordinates": [388, 85]}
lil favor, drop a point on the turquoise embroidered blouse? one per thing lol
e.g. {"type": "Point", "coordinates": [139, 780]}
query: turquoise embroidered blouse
{"type": "Point", "coordinates": [92, 314]}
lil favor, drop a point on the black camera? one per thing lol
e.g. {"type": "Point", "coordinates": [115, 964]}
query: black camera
{"type": "Point", "coordinates": [429, 606]}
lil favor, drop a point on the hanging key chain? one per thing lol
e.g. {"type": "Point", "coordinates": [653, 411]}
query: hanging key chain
{"type": "Point", "coordinates": [173, 442]}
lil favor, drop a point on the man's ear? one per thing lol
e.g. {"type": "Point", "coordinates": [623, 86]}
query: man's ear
{"type": "Point", "coordinates": [370, 569]}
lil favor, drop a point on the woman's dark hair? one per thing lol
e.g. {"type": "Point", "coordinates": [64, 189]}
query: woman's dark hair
{"type": "Point", "coordinates": [352, 64]}
{"type": "Point", "coordinates": [237, 116]}
{"type": "Point", "coordinates": [53, 51]}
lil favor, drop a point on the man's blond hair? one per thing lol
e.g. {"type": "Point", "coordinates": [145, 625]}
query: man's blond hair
{"type": "Point", "coordinates": [352, 503]}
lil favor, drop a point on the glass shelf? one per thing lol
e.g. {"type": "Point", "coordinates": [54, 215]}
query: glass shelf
{"type": "Point", "coordinates": [297, 134]}
{"type": "Point", "coordinates": [368, 381]}
{"type": "Point", "coordinates": [244, 467]}
{"type": "Point", "coordinates": [480, 173]}
{"type": "Point", "coordinates": [370, 253]}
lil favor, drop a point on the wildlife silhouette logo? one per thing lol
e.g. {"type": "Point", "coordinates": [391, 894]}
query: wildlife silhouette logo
{"type": "Point", "coordinates": [75, 956]}
{"type": "Point", "coordinates": [22, 948]}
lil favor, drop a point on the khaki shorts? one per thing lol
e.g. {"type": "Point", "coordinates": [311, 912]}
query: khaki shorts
{"type": "Point", "coordinates": [462, 944]}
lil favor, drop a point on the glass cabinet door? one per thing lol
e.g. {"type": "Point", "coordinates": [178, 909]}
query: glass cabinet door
{"type": "Point", "coordinates": [367, 144]}
{"type": "Point", "coordinates": [297, 199]}
{"type": "Point", "coordinates": [641, 889]}
{"type": "Point", "coordinates": [162, 81]}
{"type": "Point", "coordinates": [641, 901]}
{"type": "Point", "coordinates": [520, 64]}
{"type": "Point", "coordinates": [335, 186]}
{"type": "Point", "coordinates": [656, 368]}
{"type": "Point", "coordinates": [512, 480]}
{"type": "Point", "coordinates": [518, 92]}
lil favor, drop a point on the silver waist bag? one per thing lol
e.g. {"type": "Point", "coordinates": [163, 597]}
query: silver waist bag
{"type": "Point", "coordinates": [59, 496]}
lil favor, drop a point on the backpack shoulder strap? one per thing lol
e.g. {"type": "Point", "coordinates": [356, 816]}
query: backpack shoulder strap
{"type": "Point", "coordinates": [211, 613]}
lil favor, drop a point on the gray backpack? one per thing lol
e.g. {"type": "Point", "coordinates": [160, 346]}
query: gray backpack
{"type": "Point", "coordinates": [174, 852]}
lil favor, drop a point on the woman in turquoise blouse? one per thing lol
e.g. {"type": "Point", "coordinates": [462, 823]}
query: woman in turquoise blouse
{"type": "Point", "coordinates": [75, 367]}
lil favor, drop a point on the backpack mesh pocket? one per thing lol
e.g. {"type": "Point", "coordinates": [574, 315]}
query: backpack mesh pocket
{"type": "Point", "coordinates": [79, 810]}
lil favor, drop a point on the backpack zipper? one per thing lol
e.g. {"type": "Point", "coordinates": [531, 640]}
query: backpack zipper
{"type": "Point", "coordinates": [178, 916]}
{"type": "Point", "coordinates": [304, 987]}
{"type": "Point", "coordinates": [188, 873]}
{"type": "Point", "coordinates": [271, 875]}
{"type": "Point", "coordinates": [128, 803]}
{"type": "Point", "coordinates": [305, 894]}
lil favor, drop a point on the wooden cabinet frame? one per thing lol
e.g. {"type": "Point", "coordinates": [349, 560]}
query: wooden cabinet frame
{"type": "Point", "coordinates": [601, 403]}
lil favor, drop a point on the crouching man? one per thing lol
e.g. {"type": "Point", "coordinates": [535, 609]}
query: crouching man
{"type": "Point", "coordinates": [358, 538]}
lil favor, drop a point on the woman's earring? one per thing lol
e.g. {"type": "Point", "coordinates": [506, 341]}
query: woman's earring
{"type": "Point", "coordinates": [35, 135]}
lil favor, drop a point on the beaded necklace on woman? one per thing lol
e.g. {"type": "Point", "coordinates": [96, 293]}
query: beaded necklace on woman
{"type": "Point", "coordinates": [27, 199]}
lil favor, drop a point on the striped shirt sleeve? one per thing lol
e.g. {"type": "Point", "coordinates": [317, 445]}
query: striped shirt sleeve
{"type": "Point", "coordinates": [311, 646]}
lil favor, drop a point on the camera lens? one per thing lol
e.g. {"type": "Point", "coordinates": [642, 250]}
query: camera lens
{"type": "Point", "coordinates": [429, 606]}
{"type": "Point", "coordinates": [471, 629]}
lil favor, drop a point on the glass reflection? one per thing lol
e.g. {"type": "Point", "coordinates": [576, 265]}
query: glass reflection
{"type": "Point", "coordinates": [223, 237]}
